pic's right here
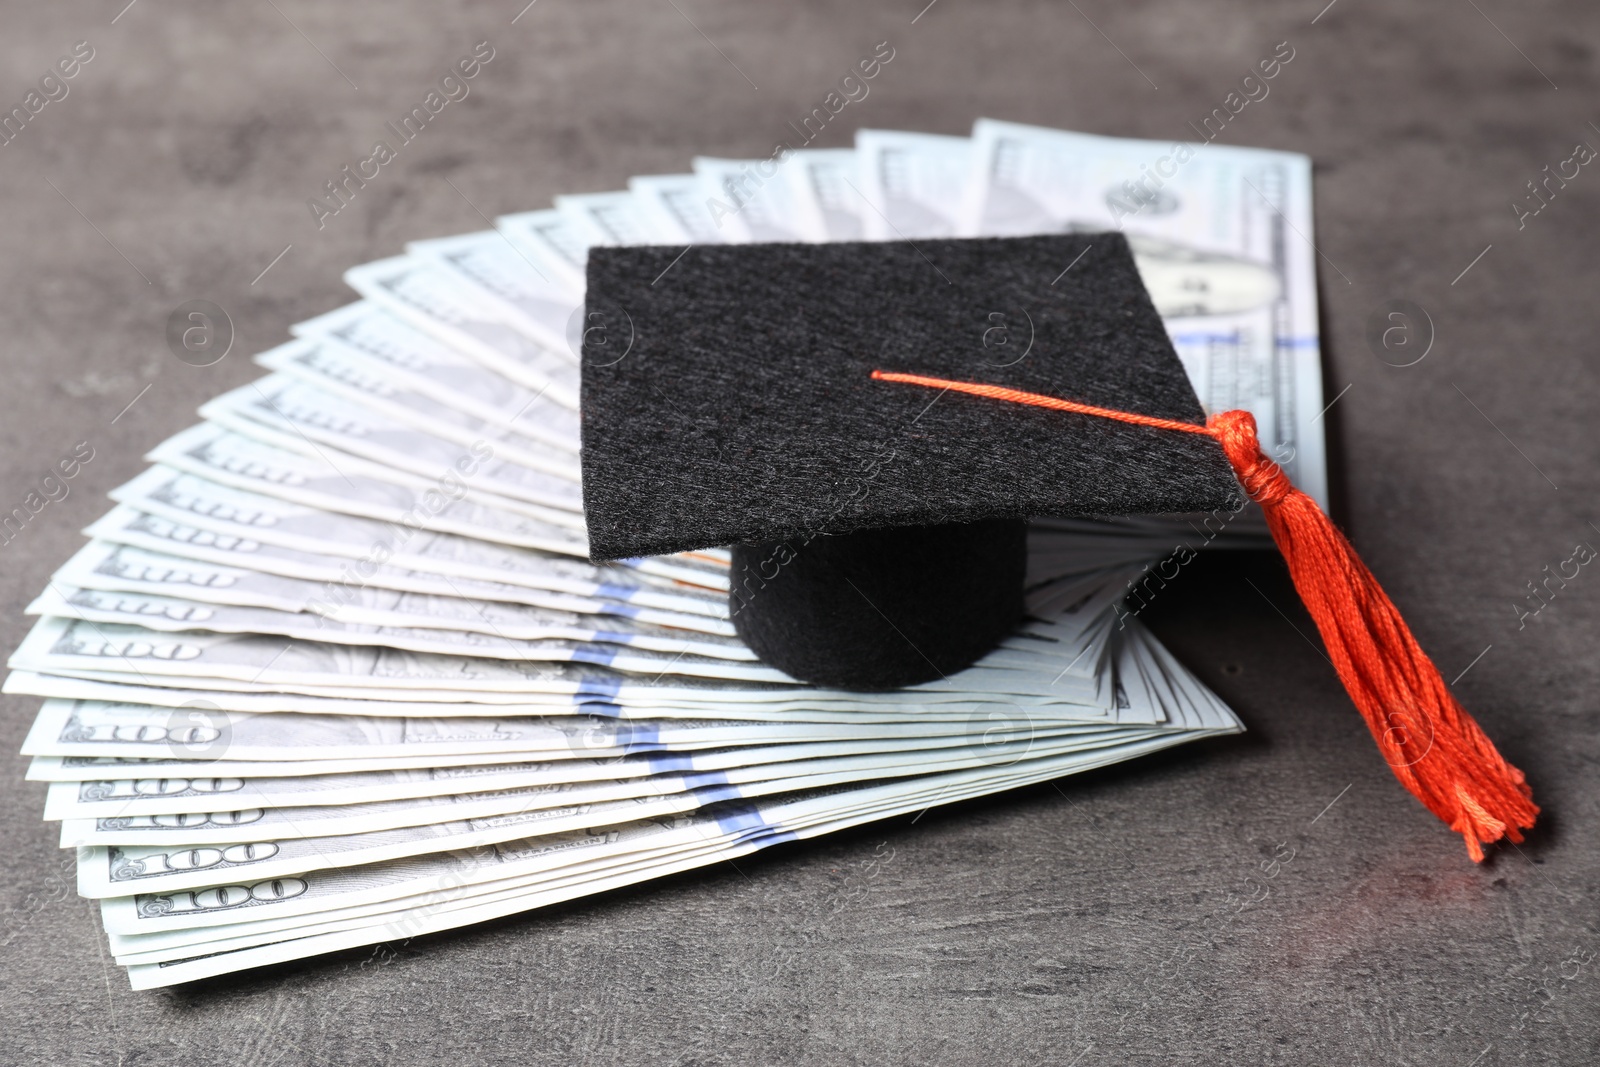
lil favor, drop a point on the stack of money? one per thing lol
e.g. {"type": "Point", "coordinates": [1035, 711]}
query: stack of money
{"type": "Point", "coordinates": [336, 670]}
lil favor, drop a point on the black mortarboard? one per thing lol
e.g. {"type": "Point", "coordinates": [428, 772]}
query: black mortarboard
{"type": "Point", "coordinates": [877, 529]}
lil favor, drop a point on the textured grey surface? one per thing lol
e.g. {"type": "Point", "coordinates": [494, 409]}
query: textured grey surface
{"type": "Point", "coordinates": [1097, 923]}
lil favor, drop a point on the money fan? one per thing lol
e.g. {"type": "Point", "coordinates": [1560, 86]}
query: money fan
{"type": "Point", "coordinates": [340, 667]}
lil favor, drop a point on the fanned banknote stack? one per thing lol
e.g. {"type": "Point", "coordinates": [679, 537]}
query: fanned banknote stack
{"type": "Point", "coordinates": [336, 671]}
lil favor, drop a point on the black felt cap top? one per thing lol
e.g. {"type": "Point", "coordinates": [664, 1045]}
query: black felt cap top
{"type": "Point", "coordinates": [727, 393]}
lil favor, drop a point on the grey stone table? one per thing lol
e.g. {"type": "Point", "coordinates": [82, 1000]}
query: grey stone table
{"type": "Point", "coordinates": [1094, 923]}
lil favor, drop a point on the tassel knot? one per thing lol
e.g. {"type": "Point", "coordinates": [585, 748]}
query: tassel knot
{"type": "Point", "coordinates": [1263, 480]}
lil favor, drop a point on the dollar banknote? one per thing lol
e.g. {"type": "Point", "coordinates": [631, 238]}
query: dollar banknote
{"type": "Point", "coordinates": [352, 833]}
{"type": "Point", "coordinates": [674, 746]}
{"type": "Point", "coordinates": [784, 813]}
{"type": "Point", "coordinates": [606, 219]}
{"type": "Point", "coordinates": [528, 291]}
{"type": "Point", "coordinates": [292, 414]}
{"type": "Point", "coordinates": [748, 200]}
{"type": "Point", "coordinates": [282, 468]}
{"type": "Point", "coordinates": [820, 193]}
{"type": "Point", "coordinates": [545, 442]}
{"type": "Point", "coordinates": [532, 640]}
{"type": "Point", "coordinates": [119, 566]}
{"type": "Point", "coordinates": [414, 362]}
{"type": "Point", "coordinates": [247, 521]}
{"type": "Point", "coordinates": [209, 739]}
{"type": "Point", "coordinates": [671, 205]}
{"type": "Point", "coordinates": [689, 841]}
{"type": "Point", "coordinates": [911, 185]}
{"type": "Point", "coordinates": [398, 622]}
{"type": "Point", "coordinates": [448, 306]}
{"type": "Point", "coordinates": [547, 240]}
{"type": "Point", "coordinates": [205, 789]}
{"type": "Point", "coordinates": [79, 642]}
{"type": "Point", "coordinates": [767, 706]}
{"type": "Point", "coordinates": [1222, 237]}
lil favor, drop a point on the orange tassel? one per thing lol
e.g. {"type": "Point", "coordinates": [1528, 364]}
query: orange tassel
{"type": "Point", "coordinates": [1433, 746]}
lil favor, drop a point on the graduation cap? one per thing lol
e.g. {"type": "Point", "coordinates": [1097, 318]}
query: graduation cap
{"type": "Point", "coordinates": [869, 425]}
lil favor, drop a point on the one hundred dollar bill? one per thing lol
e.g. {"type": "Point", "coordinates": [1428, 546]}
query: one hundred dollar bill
{"type": "Point", "coordinates": [118, 566]}
{"type": "Point", "coordinates": [434, 883]}
{"type": "Point", "coordinates": [611, 218]}
{"type": "Point", "coordinates": [416, 363]}
{"type": "Point", "coordinates": [326, 836]}
{"type": "Point", "coordinates": [548, 240]}
{"type": "Point", "coordinates": [545, 439]}
{"type": "Point", "coordinates": [674, 208]}
{"type": "Point", "coordinates": [287, 413]}
{"type": "Point", "coordinates": [369, 549]}
{"type": "Point", "coordinates": [350, 486]}
{"type": "Point", "coordinates": [747, 199]}
{"type": "Point", "coordinates": [208, 662]}
{"type": "Point", "coordinates": [206, 789]}
{"type": "Point", "coordinates": [202, 737]}
{"type": "Point", "coordinates": [527, 289]}
{"type": "Point", "coordinates": [820, 182]}
{"type": "Point", "coordinates": [911, 185]}
{"type": "Point", "coordinates": [440, 302]}
{"type": "Point", "coordinates": [774, 705]}
{"type": "Point", "coordinates": [531, 639]}
{"type": "Point", "coordinates": [1222, 236]}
